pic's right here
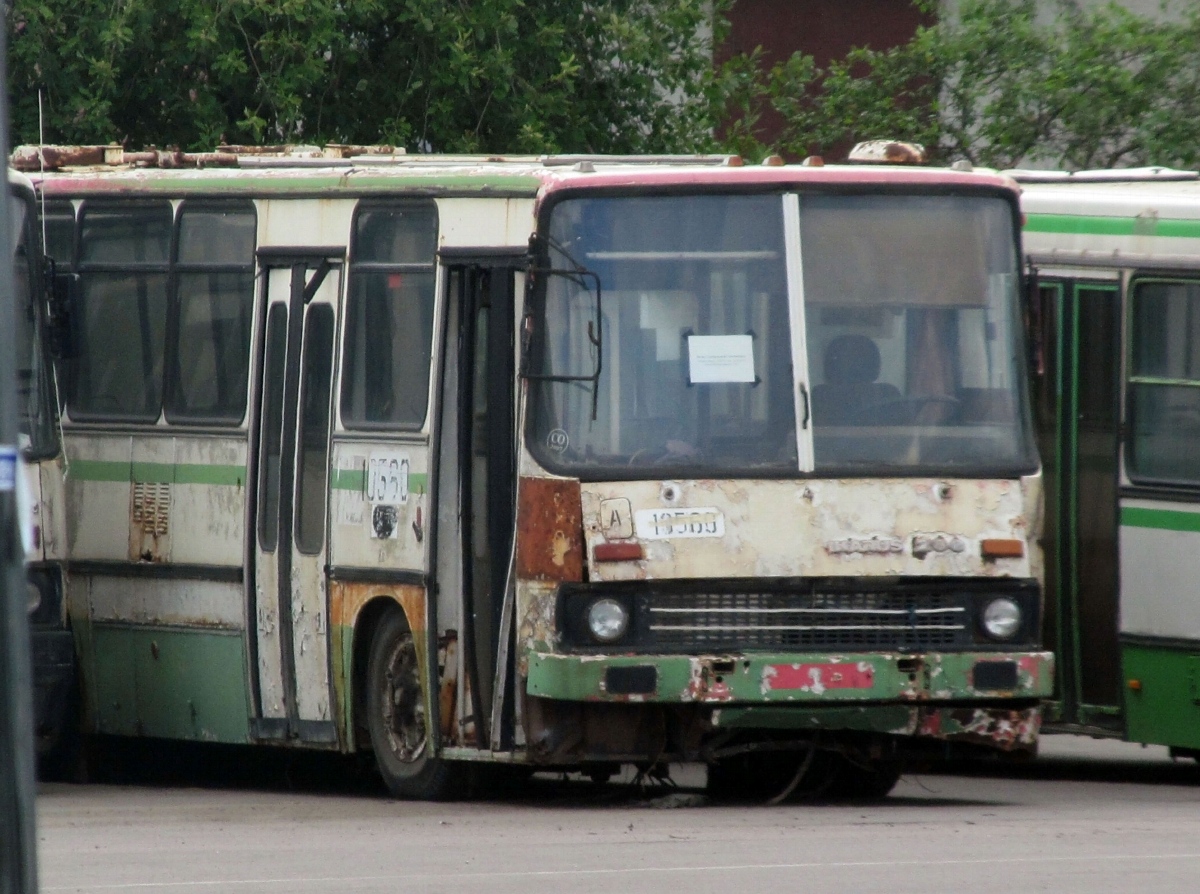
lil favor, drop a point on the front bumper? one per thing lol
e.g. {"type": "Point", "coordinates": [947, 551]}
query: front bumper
{"type": "Point", "coordinates": [798, 679]}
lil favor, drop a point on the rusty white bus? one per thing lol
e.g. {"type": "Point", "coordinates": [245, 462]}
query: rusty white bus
{"type": "Point", "coordinates": [1117, 402]}
{"type": "Point", "coordinates": [554, 462]}
{"type": "Point", "coordinates": [39, 331]}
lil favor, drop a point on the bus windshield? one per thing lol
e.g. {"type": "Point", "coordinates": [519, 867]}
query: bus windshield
{"type": "Point", "coordinates": [901, 313]}
{"type": "Point", "coordinates": [36, 405]}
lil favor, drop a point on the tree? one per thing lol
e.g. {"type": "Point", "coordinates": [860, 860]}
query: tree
{"type": "Point", "coordinates": [1002, 85]}
{"type": "Point", "coordinates": [441, 75]}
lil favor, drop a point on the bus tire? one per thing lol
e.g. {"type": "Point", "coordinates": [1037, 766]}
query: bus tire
{"type": "Point", "coordinates": [396, 716]}
{"type": "Point", "coordinates": [871, 780]}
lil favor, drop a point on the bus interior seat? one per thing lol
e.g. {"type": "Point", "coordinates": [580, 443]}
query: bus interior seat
{"type": "Point", "coordinates": [852, 365]}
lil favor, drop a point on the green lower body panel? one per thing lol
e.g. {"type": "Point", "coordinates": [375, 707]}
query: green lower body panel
{"type": "Point", "coordinates": [171, 683]}
{"type": "Point", "coordinates": [1162, 701]}
{"type": "Point", "coordinates": [792, 678]}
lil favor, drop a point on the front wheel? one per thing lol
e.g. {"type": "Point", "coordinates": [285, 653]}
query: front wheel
{"type": "Point", "coordinates": [865, 780]}
{"type": "Point", "coordinates": [396, 717]}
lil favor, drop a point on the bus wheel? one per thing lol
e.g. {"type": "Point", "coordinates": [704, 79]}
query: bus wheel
{"type": "Point", "coordinates": [870, 780]}
{"type": "Point", "coordinates": [396, 716]}
{"type": "Point", "coordinates": [771, 777]}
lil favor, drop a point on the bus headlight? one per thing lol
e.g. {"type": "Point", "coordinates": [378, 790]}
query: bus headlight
{"type": "Point", "coordinates": [607, 619]}
{"type": "Point", "coordinates": [1002, 618]}
{"type": "Point", "coordinates": [33, 597]}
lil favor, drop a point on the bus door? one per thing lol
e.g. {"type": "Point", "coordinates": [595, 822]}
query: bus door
{"type": "Point", "coordinates": [290, 588]}
{"type": "Point", "coordinates": [478, 454]}
{"type": "Point", "coordinates": [1078, 433]}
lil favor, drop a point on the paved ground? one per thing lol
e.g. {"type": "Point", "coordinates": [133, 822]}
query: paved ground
{"type": "Point", "coordinates": [1088, 817]}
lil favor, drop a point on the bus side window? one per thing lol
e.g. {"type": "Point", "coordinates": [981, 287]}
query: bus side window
{"type": "Point", "coordinates": [213, 290]}
{"type": "Point", "coordinates": [1164, 382]}
{"type": "Point", "coordinates": [389, 316]}
{"type": "Point", "coordinates": [124, 258]}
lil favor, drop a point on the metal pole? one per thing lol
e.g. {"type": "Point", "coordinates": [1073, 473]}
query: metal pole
{"type": "Point", "coordinates": [18, 864]}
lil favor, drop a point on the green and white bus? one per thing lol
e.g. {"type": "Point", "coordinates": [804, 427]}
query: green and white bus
{"type": "Point", "coordinates": [560, 462]}
{"type": "Point", "coordinates": [1117, 397]}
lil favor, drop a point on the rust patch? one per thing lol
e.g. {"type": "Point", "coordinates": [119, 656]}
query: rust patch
{"type": "Point", "coordinates": [346, 601]}
{"type": "Point", "coordinates": [994, 727]}
{"type": "Point", "coordinates": [705, 683]}
{"type": "Point", "coordinates": [549, 529]}
{"type": "Point", "coordinates": [149, 515]}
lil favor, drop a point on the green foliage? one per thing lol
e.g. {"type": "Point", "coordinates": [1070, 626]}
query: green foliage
{"type": "Point", "coordinates": [1001, 85]}
{"type": "Point", "coordinates": [442, 75]}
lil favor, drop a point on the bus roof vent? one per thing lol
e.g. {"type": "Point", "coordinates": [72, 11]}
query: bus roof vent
{"type": "Point", "coordinates": [887, 152]}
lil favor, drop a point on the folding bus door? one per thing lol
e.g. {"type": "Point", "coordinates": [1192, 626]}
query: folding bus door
{"type": "Point", "coordinates": [478, 462]}
{"type": "Point", "coordinates": [1078, 414]}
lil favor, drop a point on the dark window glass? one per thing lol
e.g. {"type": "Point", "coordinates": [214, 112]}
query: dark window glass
{"type": "Point", "coordinates": [912, 333]}
{"type": "Point", "coordinates": [217, 235]}
{"type": "Point", "coordinates": [275, 364]}
{"type": "Point", "coordinates": [59, 217]}
{"type": "Point", "coordinates": [126, 234]}
{"type": "Point", "coordinates": [317, 370]}
{"type": "Point", "coordinates": [124, 251]}
{"type": "Point", "coordinates": [35, 391]}
{"type": "Point", "coordinates": [214, 291]}
{"type": "Point", "coordinates": [1164, 397]}
{"type": "Point", "coordinates": [389, 317]}
{"type": "Point", "coordinates": [118, 372]}
{"type": "Point", "coordinates": [396, 235]}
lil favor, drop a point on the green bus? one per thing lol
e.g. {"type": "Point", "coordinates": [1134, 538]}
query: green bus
{"type": "Point", "coordinates": [1117, 403]}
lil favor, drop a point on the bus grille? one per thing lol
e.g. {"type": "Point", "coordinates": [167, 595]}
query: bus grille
{"type": "Point", "coordinates": [809, 620]}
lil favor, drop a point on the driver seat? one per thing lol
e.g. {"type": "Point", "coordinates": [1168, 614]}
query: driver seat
{"type": "Point", "coordinates": [849, 392]}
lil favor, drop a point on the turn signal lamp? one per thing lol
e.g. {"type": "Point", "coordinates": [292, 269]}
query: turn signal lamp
{"type": "Point", "coordinates": [1002, 548]}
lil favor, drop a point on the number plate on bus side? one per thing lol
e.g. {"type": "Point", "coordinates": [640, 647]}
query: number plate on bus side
{"type": "Point", "coordinates": [661, 524]}
{"type": "Point", "coordinates": [387, 478]}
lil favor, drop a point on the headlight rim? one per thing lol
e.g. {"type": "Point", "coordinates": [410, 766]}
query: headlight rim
{"type": "Point", "coordinates": [1017, 619]}
{"type": "Point", "coordinates": [610, 639]}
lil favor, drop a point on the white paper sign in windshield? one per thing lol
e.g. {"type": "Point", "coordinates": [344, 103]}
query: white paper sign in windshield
{"type": "Point", "coordinates": [720, 358]}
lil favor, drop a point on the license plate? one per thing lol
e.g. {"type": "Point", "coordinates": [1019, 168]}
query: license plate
{"type": "Point", "coordinates": [663, 524]}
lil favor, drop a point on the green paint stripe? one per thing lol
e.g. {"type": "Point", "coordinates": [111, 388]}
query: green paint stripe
{"type": "Point", "coordinates": [1112, 226]}
{"type": "Point", "coordinates": [99, 470]}
{"type": "Point", "coordinates": [348, 479]}
{"type": "Point", "coordinates": [1160, 519]}
{"type": "Point", "coordinates": [233, 476]}
{"type": "Point", "coordinates": [156, 473]}
{"type": "Point", "coordinates": [356, 480]}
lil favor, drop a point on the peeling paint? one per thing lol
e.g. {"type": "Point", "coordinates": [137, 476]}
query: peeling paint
{"type": "Point", "coordinates": [870, 528]}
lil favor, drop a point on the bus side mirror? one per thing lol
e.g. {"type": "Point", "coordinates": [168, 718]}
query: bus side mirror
{"type": "Point", "coordinates": [62, 317]}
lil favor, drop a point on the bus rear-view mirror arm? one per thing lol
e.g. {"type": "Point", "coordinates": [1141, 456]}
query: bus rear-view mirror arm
{"type": "Point", "coordinates": [595, 335]}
